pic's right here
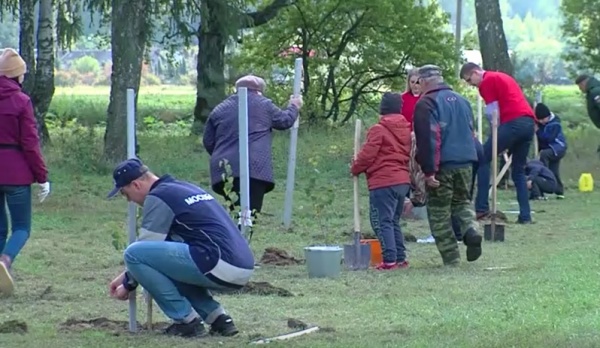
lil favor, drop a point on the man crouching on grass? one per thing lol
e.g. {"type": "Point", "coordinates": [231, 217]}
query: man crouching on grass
{"type": "Point", "coordinates": [187, 246]}
{"type": "Point", "coordinates": [443, 125]}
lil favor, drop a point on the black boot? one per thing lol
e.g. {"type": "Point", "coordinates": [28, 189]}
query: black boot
{"type": "Point", "coordinates": [223, 326]}
{"type": "Point", "coordinates": [472, 240]}
{"type": "Point", "coordinates": [194, 328]}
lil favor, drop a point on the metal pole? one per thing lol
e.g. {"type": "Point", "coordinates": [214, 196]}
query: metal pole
{"type": "Point", "coordinates": [291, 171]}
{"type": "Point", "coordinates": [479, 118]}
{"type": "Point", "coordinates": [458, 34]}
{"type": "Point", "coordinates": [244, 165]}
{"type": "Point", "coordinates": [132, 209]}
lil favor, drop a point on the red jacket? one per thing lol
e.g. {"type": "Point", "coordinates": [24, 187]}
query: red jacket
{"type": "Point", "coordinates": [20, 154]}
{"type": "Point", "coordinates": [501, 87]}
{"type": "Point", "coordinates": [385, 156]}
{"type": "Point", "coordinates": [409, 101]}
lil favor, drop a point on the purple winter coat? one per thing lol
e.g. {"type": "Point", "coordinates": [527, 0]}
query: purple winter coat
{"type": "Point", "coordinates": [221, 136]}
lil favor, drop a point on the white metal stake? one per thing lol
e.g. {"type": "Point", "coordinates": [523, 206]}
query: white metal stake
{"type": "Point", "coordinates": [132, 209]}
{"type": "Point", "coordinates": [245, 220]}
{"type": "Point", "coordinates": [291, 170]}
{"type": "Point", "coordinates": [538, 99]}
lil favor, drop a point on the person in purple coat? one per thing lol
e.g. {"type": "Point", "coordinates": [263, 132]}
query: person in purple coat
{"type": "Point", "coordinates": [22, 164]}
{"type": "Point", "coordinates": [221, 140]}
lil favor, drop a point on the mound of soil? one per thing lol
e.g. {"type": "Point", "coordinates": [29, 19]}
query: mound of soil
{"type": "Point", "coordinates": [116, 327]}
{"type": "Point", "coordinates": [409, 238]}
{"type": "Point", "coordinates": [264, 289]}
{"type": "Point", "coordinates": [13, 327]}
{"type": "Point", "coordinates": [279, 257]}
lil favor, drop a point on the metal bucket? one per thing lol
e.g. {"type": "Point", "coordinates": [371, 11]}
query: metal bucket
{"type": "Point", "coordinates": [323, 261]}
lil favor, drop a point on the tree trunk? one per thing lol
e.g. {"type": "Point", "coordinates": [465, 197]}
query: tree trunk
{"type": "Point", "coordinates": [492, 41]}
{"type": "Point", "coordinates": [27, 41]}
{"type": "Point", "coordinates": [128, 34]}
{"type": "Point", "coordinates": [212, 39]}
{"type": "Point", "coordinates": [43, 89]}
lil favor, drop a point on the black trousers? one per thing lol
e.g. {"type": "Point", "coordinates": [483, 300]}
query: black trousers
{"type": "Point", "coordinates": [539, 186]}
{"type": "Point", "coordinates": [552, 162]}
{"type": "Point", "coordinates": [258, 189]}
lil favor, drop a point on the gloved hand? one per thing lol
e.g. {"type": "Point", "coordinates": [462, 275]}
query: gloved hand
{"type": "Point", "coordinates": [44, 191]}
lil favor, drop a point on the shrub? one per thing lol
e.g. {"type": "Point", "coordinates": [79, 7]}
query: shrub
{"type": "Point", "coordinates": [86, 65]}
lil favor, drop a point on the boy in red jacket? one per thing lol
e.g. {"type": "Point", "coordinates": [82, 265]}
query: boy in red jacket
{"type": "Point", "coordinates": [384, 158]}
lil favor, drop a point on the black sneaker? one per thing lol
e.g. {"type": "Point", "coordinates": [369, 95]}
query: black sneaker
{"type": "Point", "coordinates": [472, 240]}
{"type": "Point", "coordinates": [223, 326]}
{"type": "Point", "coordinates": [194, 328]}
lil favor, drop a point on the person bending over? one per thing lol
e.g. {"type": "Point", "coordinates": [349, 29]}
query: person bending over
{"type": "Point", "coordinates": [384, 159]}
{"type": "Point", "coordinates": [502, 93]}
{"type": "Point", "coordinates": [187, 246]}
{"type": "Point", "coordinates": [552, 143]}
{"type": "Point", "coordinates": [540, 180]}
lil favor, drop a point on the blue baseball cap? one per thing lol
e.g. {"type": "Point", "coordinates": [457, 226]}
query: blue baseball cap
{"type": "Point", "coordinates": [126, 172]}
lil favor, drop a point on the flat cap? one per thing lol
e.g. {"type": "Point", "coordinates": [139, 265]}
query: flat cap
{"type": "Point", "coordinates": [251, 82]}
{"type": "Point", "coordinates": [429, 70]}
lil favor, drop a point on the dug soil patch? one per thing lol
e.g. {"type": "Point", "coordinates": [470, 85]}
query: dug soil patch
{"type": "Point", "coordinates": [279, 257]}
{"type": "Point", "coordinates": [264, 289]}
{"type": "Point", "coordinates": [13, 327]}
{"type": "Point", "coordinates": [116, 327]}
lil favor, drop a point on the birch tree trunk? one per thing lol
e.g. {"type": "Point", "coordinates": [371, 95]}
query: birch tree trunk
{"type": "Point", "coordinates": [129, 29]}
{"type": "Point", "coordinates": [43, 88]}
{"type": "Point", "coordinates": [492, 40]}
{"type": "Point", "coordinates": [27, 41]}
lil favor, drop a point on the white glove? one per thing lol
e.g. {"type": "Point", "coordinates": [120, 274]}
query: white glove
{"type": "Point", "coordinates": [44, 191]}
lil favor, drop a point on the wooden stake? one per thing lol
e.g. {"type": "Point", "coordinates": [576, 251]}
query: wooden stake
{"type": "Point", "coordinates": [357, 234]}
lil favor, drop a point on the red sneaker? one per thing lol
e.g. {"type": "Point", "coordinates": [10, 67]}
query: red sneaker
{"type": "Point", "coordinates": [384, 266]}
{"type": "Point", "coordinates": [403, 264]}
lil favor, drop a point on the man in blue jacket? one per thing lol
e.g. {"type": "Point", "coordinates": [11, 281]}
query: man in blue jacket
{"type": "Point", "coordinates": [187, 246]}
{"type": "Point", "coordinates": [540, 180]}
{"type": "Point", "coordinates": [443, 119]}
{"type": "Point", "coordinates": [551, 142]}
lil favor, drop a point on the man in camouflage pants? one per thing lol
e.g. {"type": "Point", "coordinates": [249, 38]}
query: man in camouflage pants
{"type": "Point", "coordinates": [443, 126]}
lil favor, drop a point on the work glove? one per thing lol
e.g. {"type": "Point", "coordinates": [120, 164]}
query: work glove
{"type": "Point", "coordinates": [44, 191]}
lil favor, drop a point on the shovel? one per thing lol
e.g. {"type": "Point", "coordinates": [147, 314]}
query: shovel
{"type": "Point", "coordinates": [357, 256]}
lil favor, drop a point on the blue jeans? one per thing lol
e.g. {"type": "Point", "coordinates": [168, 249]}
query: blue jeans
{"type": "Point", "coordinates": [166, 270]}
{"type": "Point", "coordinates": [18, 201]}
{"type": "Point", "coordinates": [386, 205]}
{"type": "Point", "coordinates": [516, 137]}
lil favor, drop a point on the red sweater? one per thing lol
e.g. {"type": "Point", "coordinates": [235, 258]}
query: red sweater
{"type": "Point", "coordinates": [20, 153]}
{"type": "Point", "coordinates": [499, 87]}
{"type": "Point", "coordinates": [384, 157]}
{"type": "Point", "coordinates": [409, 101]}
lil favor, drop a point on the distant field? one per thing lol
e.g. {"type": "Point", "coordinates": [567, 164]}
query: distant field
{"type": "Point", "coordinates": [105, 90]}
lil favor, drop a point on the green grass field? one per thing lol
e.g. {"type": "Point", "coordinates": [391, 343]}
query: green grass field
{"type": "Point", "coordinates": [546, 296]}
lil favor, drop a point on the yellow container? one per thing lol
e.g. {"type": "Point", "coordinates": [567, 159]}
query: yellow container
{"type": "Point", "coordinates": [586, 182]}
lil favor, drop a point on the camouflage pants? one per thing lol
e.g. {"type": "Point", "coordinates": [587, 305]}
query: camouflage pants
{"type": "Point", "coordinates": [451, 198]}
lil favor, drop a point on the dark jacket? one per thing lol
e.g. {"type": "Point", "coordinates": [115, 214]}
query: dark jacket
{"type": "Point", "coordinates": [535, 168]}
{"type": "Point", "coordinates": [221, 136]}
{"type": "Point", "coordinates": [551, 136]}
{"type": "Point", "coordinates": [20, 153]}
{"type": "Point", "coordinates": [592, 95]}
{"type": "Point", "coordinates": [443, 125]}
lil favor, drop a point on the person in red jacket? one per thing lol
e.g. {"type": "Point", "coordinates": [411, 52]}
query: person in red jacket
{"type": "Point", "coordinates": [384, 158]}
{"type": "Point", "coordinates": [411, 95]}
{"type": "Point", "coordinates": [502, 93]}
{"type": "Point", "coordinates": [22, 163]}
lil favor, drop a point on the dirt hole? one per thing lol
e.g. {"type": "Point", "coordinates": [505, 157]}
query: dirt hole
{"type": "Point", "coordinates": [264, 289]}
{"type": "Point", "coordinates": [117, 327]}
{"type": "Point", "coordinates": [279, 257]}
{"type": "Point", "coordinates": [13, 327]}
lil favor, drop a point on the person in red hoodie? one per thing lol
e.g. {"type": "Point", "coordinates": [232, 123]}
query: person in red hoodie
{"type": "Point", "coordinates": [22, 163]}
{"type": "Point", "coordinates": [411, 95]}
{"type": "Point", "coordinates": [502, 93]}
{"type": "Point", "coordinates": [384, 158]}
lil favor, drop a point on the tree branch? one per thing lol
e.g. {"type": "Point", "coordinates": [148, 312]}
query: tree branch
{"type": "Point", "coordinates": [254, 19]}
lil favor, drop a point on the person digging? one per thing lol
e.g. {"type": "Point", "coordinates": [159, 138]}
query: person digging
{"type": "Point", "coordinates": [591, 87]}
{"type": "Point", "coordinates": [187, 245]}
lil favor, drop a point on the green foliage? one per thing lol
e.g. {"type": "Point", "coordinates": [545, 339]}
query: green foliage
{"type": "Point", "coordinates": [581, 28]}
{"type": "Point", "coordinates": [321, 195]}
{"type": "Point", "coordinates": [351, 50]}
{"type": "Point", "coordinates": [86, 64]}
{"type": "Point", "coordinates": [227, 178]}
